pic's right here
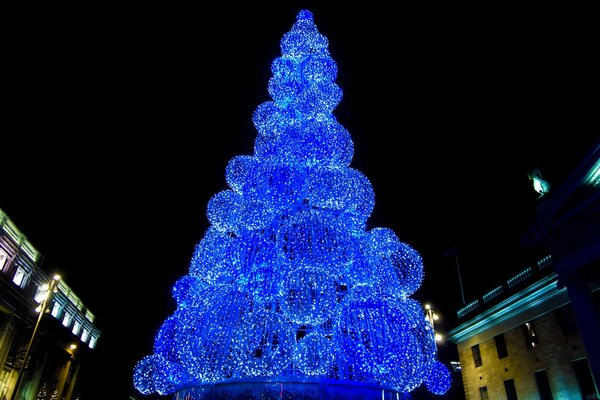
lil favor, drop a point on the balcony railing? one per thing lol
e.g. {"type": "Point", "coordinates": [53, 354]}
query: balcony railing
{"type": "Point", "coordinates": [498, 291]}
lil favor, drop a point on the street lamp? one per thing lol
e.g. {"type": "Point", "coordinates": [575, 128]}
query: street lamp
{"type": "Point", "coordinates": [431, 317]}
{"type": "Point", "coordinates": [42, 310]}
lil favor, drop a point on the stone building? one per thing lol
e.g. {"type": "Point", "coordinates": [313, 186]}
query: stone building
{"type": "Point", "coordinates": [46, 332]}
{"type": "Point", "coordinates": [535, 335]}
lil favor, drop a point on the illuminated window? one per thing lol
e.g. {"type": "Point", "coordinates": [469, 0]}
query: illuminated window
{"type": "Point", "coordinates": [67, 319]}
{"type": "Point", "coordinates": [85, 335]}
{"type": "Point", "coordinates": [511, 391]}
{"type": "Point", "coordinates": [531, 338]}
{"type": "Point", "coordinates": [56, 309]}
{"type": "Point", "coordinates": [501, 346]}
{"type": "Point", "coordinates": [476, 355]}
{"type": "Point", "coordinates": [483, 394]}
{"type": "Point", "coordinates": [92, 342]}
{"type": "Point", "coordinates": [3, 259]}
{"type": "Point", "coordinates": [41, 293]}
{"type": "Point", "coordinates": [20, 278]}
{"type": "Point", "coordinates": [76, 328]}
{"type": "Point", "coordinates": [543, 385]}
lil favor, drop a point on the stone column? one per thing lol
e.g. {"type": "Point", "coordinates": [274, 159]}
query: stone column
{"type": "Point", "coordinates": [588, 320]}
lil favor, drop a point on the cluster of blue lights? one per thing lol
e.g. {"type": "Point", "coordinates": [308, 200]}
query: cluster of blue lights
{"type": "Point", "coordinates": [288, 281]}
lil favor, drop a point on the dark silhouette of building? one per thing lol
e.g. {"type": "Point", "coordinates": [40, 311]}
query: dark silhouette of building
{"type": "Point", "coordinates": [536, 334]}
{"type": "Point", "coordinates": [40, 354]}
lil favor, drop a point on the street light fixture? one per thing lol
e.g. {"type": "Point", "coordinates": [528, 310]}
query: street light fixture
{"type": "Point", "coordinates": [52, 288]}
{"type": "Point", "coordinates": [71, 350]}
{"type": "Point", "coordinates": [431, 317]}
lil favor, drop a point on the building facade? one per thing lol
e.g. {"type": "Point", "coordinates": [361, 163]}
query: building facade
{"type": "Point", "coordinates": [40, 354]}
{"type": "Point", "coordinates": [521, 341]}
{"type": "Point", "coordinates": [536, 335]}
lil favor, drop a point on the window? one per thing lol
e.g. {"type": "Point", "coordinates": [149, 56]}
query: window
{"type": "Point", "coordinates": [67, 320]}
{"type": "Point", "coordinates": [85, 335]}
{"type": "Point", "coordinates": [476, 355]}
{"type": "Point", "coordinates": [20, 278]}
{"type": "Point", "coordinates": [511, 392]}
{"type": "Point", "coordinates": [531, 339]}
{"type": "Point", "coordinates": [42, 293]}
{"type": "Point", "coordinates": [501, 346]}
{"type": "Point", "coordinates": [483, 394]}
{"type": "Point", "coordinates": [543, 385]}
{"type": "Point", "coordinates": [584, 378]}
{"type": "Point", "coordinates": [76, 328]}
{"type": "Point", "coordinates": [56, 309]}
{"type": "Point", "coordinates": [3, 259]}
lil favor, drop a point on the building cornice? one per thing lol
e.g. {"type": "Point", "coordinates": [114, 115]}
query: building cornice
{"type": "Point", "coordinates": [539, 298]}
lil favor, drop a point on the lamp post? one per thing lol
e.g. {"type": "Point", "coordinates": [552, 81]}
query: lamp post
{"type": "Point", "coordinates": [431, 317]}
{"type": "Point", "coordinates": [42, 310]}
{"type": "Point", "coordinates": [453, 252]}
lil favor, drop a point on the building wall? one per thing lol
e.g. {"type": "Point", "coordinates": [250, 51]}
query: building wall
{"type": "Point", "coordinates": [559, 345]}
{"type": "Point", "coordinates": [53, 365]}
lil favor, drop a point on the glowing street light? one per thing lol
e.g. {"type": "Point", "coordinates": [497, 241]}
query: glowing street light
{"type": "Point", "coordinates": [71, 350]}
{"type": "Point", "coordinates": [51, 288]}
{"type": "Point", "coordinates": [432, 317]}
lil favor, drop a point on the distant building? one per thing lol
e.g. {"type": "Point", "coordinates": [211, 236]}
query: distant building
{"type": "Point", "coordinates": [536, 335]}
{"type": "Point", "coordinates": [64, 337]}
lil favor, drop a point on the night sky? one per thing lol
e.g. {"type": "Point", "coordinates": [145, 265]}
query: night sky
{"type": "Point", "coordinates": [119, 123]}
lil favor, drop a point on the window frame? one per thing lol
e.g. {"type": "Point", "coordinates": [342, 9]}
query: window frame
{"type": "Point", "coordinates": [543, 385]}
{"type": "Point", "coordinates": [476, 352]}
{"type": "Point", "coordinates": [501, 348]}
{"type": "Point", "coordinates": [510, 389]}
{"type": "Point", "coordinates": [483, 393]}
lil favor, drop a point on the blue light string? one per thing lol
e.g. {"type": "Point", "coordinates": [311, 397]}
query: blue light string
{"type": "Point", "coordinates": [287, 280]}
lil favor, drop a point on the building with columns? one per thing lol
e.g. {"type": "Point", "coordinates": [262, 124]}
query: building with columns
{"type": "Point", "coordinates": [46, 332]}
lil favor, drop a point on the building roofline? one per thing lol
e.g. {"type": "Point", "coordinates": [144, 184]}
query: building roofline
{"type": "Point", "coordinates": [545, 291]}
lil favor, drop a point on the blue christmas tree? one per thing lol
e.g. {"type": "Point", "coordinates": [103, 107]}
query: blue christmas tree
{"type": "Point", "coordinates": [288, 289]}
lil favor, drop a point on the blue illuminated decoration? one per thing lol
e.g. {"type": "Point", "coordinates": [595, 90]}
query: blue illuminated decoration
{"type": "Point", "coordinates": [288, 283]}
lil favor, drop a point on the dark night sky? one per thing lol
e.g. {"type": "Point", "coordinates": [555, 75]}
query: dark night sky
{"type": "Point", "coordinates": [119, 124]}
